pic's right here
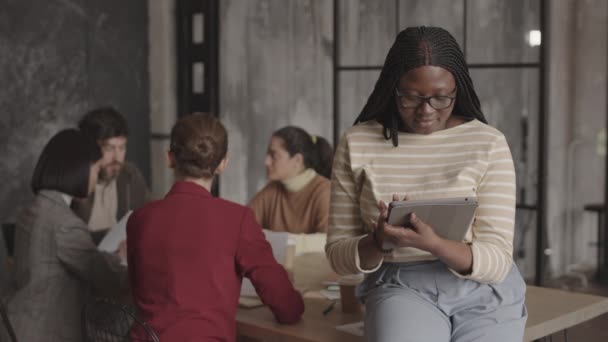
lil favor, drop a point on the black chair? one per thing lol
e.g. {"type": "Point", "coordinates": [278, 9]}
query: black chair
{"type": "Point", "coordinates": [106, 321]}
{"type": "Point", "coordinates": [6, 270]}
{"type": "Point", "coordinates": [7, 323]}
{"type": "Point", "coordinates": [8, 232]}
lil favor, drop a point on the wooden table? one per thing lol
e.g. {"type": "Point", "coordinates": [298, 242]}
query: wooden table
{"type": "Point", "coordinates": [259, 324]}
{"type": "Point", "coordinates": [549, 310]}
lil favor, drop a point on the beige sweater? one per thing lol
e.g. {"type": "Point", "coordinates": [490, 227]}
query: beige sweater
{"type": "Point", "coordinates": [303, 211]}
{"type": "Point", "coordinates": [472, 159]}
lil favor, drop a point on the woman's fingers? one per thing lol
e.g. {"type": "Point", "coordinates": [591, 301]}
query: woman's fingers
{"type": "Point", "coordinates": [394, 231]}
{"type": "Point", "coordinates": [403, 237]}
{"type": "Point", "coordinates": [396, 197]}
{"type": "Point", "coordinates": [381, 205]}
{"type": "Point", "coordinates": [417, 223]}
{"type": "Point", "coordinates": [383, 209]}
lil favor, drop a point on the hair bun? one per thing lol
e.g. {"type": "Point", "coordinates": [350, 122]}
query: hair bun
{"type": "Point", "coordinates": [206, 147]}
{"type": "Point", "coordinates": [199, 143]}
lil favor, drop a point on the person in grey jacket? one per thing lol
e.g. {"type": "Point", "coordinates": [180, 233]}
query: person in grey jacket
{"type": "Point", "coordinates": [57, 265]}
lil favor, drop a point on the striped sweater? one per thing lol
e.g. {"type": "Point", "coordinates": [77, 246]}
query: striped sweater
{"type": "Point", "coordinates": [472, 159]}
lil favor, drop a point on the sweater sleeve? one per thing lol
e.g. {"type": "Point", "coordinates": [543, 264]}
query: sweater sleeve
{"type": "Point", "coordinates": [345, 223]}
{"type": "Point", "coordinates": [139, 192]}
{"type": "Point", "coordinates": [493, 226]}
{"type": "Point", "coordinates": [256, 262]}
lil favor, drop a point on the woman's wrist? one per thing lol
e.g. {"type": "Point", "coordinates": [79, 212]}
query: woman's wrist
{"type": "Point", "coordinates": [369, 255]}
{"type": "Point", "coordinates": [456, 255]}
{"type": "Point", "coordinates": [367, 244]}
{"type": "Point", "coordinates": [379, 244]}
{"type": "Point", "coordinates": [438, 247]}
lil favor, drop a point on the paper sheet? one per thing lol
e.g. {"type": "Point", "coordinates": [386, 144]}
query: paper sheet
{"type": "Point", "coordinates": [331, 295]}
{"type": "Point", "coordinates": [115, 235]}
{"type": "Point", "coordinates": [250, 302]}
{"type": "Point", "coordinates": [278, 241]}
{"type": "Point", "coordinates": [309, 243]}
{"type": "Point", "coordinates": [356, 328]}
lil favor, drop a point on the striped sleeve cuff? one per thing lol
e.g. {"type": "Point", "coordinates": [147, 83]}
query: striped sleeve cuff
{"type": "Point", "coordinates": [344, 258]}
{"type": "Point", "coordinates": [487, 268]}
{"type": "Point", "coordinates": [358, 260]}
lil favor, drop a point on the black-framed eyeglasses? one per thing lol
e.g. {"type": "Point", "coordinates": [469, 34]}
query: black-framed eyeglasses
{"type": "Point", "coordinates": [415, 101]}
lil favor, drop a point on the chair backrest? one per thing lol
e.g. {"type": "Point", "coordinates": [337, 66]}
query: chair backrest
{"type": "Point", "coordinates": [106, 321]}
{"type": "Point", "coordinates": [8, 233]}
{"type": "Point", "coordinates": [6, 269]}
{"type": "Point", "coordinates": [7, 323]}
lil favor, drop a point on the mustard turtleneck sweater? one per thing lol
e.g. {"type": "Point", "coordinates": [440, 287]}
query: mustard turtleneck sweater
{"type": "Point", "coordinates": [297, 205]}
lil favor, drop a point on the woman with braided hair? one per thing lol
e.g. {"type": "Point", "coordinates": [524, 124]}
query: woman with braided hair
{"type": "Point", "coordinates": [422, 135]}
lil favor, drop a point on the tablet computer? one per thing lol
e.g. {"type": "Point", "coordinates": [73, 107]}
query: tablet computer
{"type": "Point", "coordinates": [449, 217]}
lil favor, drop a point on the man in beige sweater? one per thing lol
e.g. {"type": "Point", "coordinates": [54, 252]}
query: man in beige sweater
{"type": "Point", "coordinates": [121, 186]}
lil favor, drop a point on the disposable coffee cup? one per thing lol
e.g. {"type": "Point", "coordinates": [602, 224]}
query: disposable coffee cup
{"type": "Point", "coordinates": [348, 300]}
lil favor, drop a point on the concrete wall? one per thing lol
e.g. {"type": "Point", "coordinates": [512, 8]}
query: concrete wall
{"type": "Point", "coordinates": [59, 59]}
{"type": "Point", "coordinates": [163, 90]}
{"type": "Point", "coordinates": [275, 70]}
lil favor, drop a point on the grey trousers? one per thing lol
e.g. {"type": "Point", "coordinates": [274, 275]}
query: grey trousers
{"type": "Point", "coordinates": [424, 301]}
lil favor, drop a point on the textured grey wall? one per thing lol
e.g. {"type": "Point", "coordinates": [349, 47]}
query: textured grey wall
{"type": "Point", "coordinates": [59, 59]}
{"type": "Point", "coordinates": [275, 70]}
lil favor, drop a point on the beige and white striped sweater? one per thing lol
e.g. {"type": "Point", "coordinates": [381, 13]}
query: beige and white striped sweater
{"type": "Point", "coordinates": [472, 159]}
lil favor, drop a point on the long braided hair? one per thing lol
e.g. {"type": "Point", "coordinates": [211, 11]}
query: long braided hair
{"type": "Point", "coordinates": [415, 47]}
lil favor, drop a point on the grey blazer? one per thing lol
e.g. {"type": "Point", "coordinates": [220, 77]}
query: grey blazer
{"type": "Point", "coordinates": [56, 266]}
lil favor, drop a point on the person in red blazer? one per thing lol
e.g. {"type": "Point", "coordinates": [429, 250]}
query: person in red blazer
{"type": "Point", "coordinates": [187, 253]}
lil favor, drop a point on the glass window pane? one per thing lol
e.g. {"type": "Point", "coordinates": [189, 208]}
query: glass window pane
{"type": "Point", "coordinates": [198, 78]}
{"type": "Point", "coordinates": [355, 88]}
{"type": "Point", "coordinates": [198, 28]}
{"type": "Point", "coordinates": [500, 31]}
{"type": "Point", "coordinates": [448, 14]}
{"type": "Point", "coordinates": [509, 101]}
{"type": "Point", "coordinates": [367, 31]}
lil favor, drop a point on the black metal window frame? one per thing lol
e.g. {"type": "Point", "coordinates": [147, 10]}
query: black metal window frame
{"type": "Point", "coordinates": [196, 92]}
{"type": "Point", "coordinates": [190, 53]}
{"type": "Point", "coordinates": [605, 204]}
{"type": "Point", "coordinates": [541, 201]}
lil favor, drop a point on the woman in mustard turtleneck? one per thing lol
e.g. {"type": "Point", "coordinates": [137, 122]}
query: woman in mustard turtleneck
{"type": "Point", "coordinates": [296, 199]}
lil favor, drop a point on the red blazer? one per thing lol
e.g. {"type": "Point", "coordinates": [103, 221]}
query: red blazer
{"type": "Point", "coordinates": [187, 254]}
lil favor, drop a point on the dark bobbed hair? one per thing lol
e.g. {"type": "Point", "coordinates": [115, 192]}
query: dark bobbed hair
{"type": "Point", "coordinates": [104, 123]}
{"type": "Point", "coordinates": [199, 142]}
{"type": "Point", "coordinates": [65, 163]}
{"type": "Point", "coordinates": [316, 151]}
{"type": "Point", "coordinates": [415, 47]}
